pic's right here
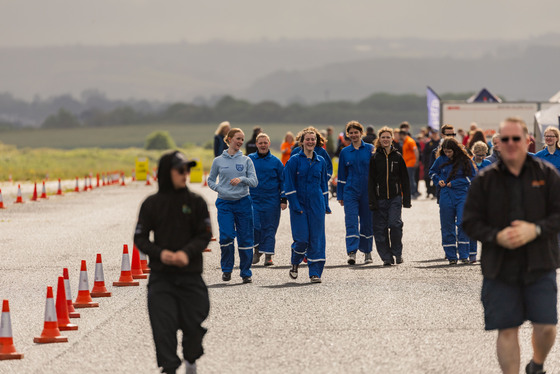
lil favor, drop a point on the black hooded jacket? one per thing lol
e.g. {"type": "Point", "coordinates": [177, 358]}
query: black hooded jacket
{"type": "Point", "coordinates": [179, 220]}
{"type": "Point", "coordinates": [387, 178]}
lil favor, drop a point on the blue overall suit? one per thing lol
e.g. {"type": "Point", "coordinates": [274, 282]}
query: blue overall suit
{"type": "Point", "coordinates": [305, 186]}
{"type": "Point", "coordinates": [266, 200]}
{"type": "Point", "coordinates": [352, 188]}
{"type": "Point", "coordinates": [451, 203]}
{"type": "Point", "coordinates": [473, 250]}
{"type": "Point", "coordinates": [321, 152]}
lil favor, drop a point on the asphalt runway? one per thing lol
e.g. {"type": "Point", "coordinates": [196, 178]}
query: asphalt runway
{"type": "Point", "coordinates": [418, 317]}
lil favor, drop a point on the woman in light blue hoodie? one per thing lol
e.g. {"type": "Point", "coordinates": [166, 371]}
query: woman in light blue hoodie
{"type": "Point", "coordinates": [234, 173]}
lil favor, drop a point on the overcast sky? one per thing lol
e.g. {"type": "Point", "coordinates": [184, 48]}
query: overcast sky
{"type": "Point", "coordinates": [110, 22]}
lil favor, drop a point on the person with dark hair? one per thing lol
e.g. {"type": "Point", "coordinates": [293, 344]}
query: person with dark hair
{"type": "Point", "coordinates": [219, 144]}
{"type": "Point", "coordinates": [453, 171]}
{"type": "Point", "coordinates": [431, 145]}
{"type": "Point", "coordinates": [388, 192]}
{"type": "Point", "coordinates": [370, 135]}
{"type": "Point", "coordinates": [306, 187]}
{"type": "Point", "coordinates": [318, 148]}
{"type": "Point", "coordinates": [177, 294]}
{"type": "Point", "coordinates": [476, 136]}
{"type": "Point", "coordinates": [513, 209]}
{"type": "Point", "coordinates": [267, 199]}
{"type": "Point", "coordinates": [411, 156]}
{"type": "Point", "coordinates": [352, 193]}
{"type": "Point", "coordinates": [251, 146]}
{"type": "Point", "coordinates": [231, 176]}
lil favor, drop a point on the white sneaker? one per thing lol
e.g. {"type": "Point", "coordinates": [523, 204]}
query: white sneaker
{"type": "Point", "coordinates": [352, 258]}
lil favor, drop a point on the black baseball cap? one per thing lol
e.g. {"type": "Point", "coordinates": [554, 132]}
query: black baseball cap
{"type": "Point", "coordinates": [179, 161]}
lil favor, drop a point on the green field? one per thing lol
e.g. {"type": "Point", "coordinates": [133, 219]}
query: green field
{"type": "Point", "coordinates": [132, 135]}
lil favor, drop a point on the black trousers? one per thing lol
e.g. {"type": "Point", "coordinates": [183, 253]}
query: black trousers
{"type": "Point", "coordinates": [177, 302]}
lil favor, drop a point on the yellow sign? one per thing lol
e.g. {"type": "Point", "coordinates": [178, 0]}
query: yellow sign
{"type": "Point", "coordinates": [196, 172]}
{"type": "Point", "coordinates": [142, 168]}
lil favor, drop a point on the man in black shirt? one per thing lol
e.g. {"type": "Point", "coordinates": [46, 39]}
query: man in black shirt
{"type": "Point", "coordinates": [514, 210]}
{"type": "Point", "coordinates": [177, 294]}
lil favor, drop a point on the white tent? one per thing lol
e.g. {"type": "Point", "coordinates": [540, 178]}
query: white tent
{"type": "Point", "coordinates": [543, 119]}
{"type": "Point", "coordinates": [555, 98]}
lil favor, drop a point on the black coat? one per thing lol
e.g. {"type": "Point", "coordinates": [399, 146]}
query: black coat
{"type": "Point", "coordinates": [388, 177]}
{"type": "Point", "coordinates": [486, 212]}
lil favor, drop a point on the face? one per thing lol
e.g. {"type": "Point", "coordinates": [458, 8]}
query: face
{"type": "Point", "coordinates": [236, 142]}
{"type": "Point", "coordinates": [479, 156]}
{"type": "Point", "coordinates": [179, 178]}
{"type": "Point", "coordinates": [309, 142]}
{"type": "Point", "coordinates": [514, 142]}
{"type": "Point", "coordinates": [448, 153]}
{"type": "Point", "coordinates": [496, 143]}
{"type": "Point", "coordinates": [263, 144]}
{"type": "Point", "coordinates": [355, 135]}
{"type": "Point", "coordinates": [550, 139]}
{"type": "Point", "coordinates": [289, 139]}
{"type": "Point", "coordinates": [385, 138]}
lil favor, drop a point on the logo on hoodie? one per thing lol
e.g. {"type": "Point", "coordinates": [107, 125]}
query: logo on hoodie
{"type": "Point", "coordinates": [239, 167]}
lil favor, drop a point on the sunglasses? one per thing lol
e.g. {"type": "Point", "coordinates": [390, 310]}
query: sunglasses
{"type": "Point", "coordinates": [182, 170]}
{"type": "Point", "coordinates": [451, 134]}
{"type": "Point", "coordinates": [506, 139]}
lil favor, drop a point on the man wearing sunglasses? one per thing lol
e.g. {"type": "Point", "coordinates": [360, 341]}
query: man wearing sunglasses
{"type": "Point", "coordinates": [513, 209]}
{"type": "Point", "coordinates": [177, 294]}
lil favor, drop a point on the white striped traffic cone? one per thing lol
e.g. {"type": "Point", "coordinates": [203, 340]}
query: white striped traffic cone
{"type": "Point", "coordinates": [144, 262]}
{"type": "Point", "coordinates": [126, 274]}
{"type": "Point", "coordinates": [51, 333]}
{"type": "Point", "coordinates": [1, 201]}
{"type": "Point", "coordinates": [43, 192]}
{"type": "Point", "coordinates": [84, 298]}
{"type": "Point", "coordinates": [99, 289]}
{"type": "Point", "coordinates": [59, 191]}
{"type": "Point", "coordinates": [71, 311]}
{"type": "Point", "coordinates": [19, 198]}
{"type": "Point", "coordinates": [7, 348]}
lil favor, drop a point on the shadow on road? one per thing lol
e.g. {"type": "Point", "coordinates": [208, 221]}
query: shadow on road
{"type": "Point", "coordinates": [289, 285]}
{"type": "Point", "coordinates": [224, 285]}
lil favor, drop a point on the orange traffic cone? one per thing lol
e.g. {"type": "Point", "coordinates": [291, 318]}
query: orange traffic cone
{"type": "Point", "coordinates": [84, 298]}
{"type": "Point", "coordinates": [154, 174]}
{"type": "Point", "coordinates": [34, 197]}
{"type": "Point", "coordinates": [90, 185]}
{"type": "Point", "coordinates": [122, 180]}
{"type": "Point", "coordinates": [136, 267]}
{"type": "Point", "coordinates": [97, 177]}
{"type": "Point", "coordinates": [59, 191]}
{"type": "Point", "coordinates": [62, 308]}
{"type": "Point", "coordinates": [19, 199]}
{"type": "Point", "coordinates": [126, 275]}
{"type": "Point", "coordinates": [71, 311]}
{"type": "Point", "coordinates": [1, 201]}
{"type": "Point", "coordinates": [99, 289]}
{"type": "Point", "coordinates": [148, 180]}
{"type": "Point", "coordinates": [205, 182]}
{"type": "Point", "coordinates": [133, 175]}
{"type": "Point", "coordinates": [85, 183]}
{"type": "Point", "coordinates": [143, 261]}
{"type": "Point", "coordinates": [77, 188]}
{"type": "Point", "coordinates": [103, 179]}
{"type": "Point", "coordinates": [44, 192]}
{"type": "Point", "coordinates": [7, 348]}
{"type": "Point", "coordinates": [51, 332]}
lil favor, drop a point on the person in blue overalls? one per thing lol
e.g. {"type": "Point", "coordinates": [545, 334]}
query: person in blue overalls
{"type": "Point", "coordinates": [551, 152]}
{"type": "Point", "coordinates": [267, 200]}
{"type": "Point", "coordinates": [352, 193]}
{"type": "Point", "coordinates": [235, 174]}
{"type": "Point", "coordinates": [305, 186]}
{"type": "Point", "coordinates": [319, 150]}
{"type": "Point", "coordinates": [453, 171]}
{"type": "Point", "coordinates": [479, 150]}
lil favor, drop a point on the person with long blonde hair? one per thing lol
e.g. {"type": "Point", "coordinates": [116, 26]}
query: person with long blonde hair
{"type": "Point", "coordinates": [219, 138]}
{"type": "Point", "coordinates": [286, 146]}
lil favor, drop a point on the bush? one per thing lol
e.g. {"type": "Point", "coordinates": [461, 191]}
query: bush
{"type": "Point", "coordinates": [160, 140]}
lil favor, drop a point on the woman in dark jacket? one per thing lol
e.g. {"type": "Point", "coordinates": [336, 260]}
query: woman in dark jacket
{"type": "Point", "coordinates": [219, 143]}
{"type": "Point", "coordinates": [389, 191]}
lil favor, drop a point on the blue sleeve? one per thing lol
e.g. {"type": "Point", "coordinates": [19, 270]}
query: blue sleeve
{"type": "Point", "coordinates": [294, 151]}
{"type": "Point", "coordinates": [290, 192]}
{"type": "Point", "coordinates": [280, 175]}
{"type": "Point", "coordinates": [328, 160]}
{"type": "Point", "coordinates": [325, 186]}
{"type": "Point", "coordinates": [434, 171]}
{"type": "Point", "coordinates": [341, 176]}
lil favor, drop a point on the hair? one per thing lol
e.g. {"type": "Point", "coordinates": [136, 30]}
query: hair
{"type": "Point", "coordinates": [221, 127]}
{"type": "Point", "coordinates": [263, 135]}
{"type": "Point", "coordinates": [381, 131]}
{"type": "Point", "coordinates": [354, 125]}
{"type": "Point", "coordinates": [289, 133]}
{"type": "Point", "coordinates": [477, 136]}
{"type": "Point", "coordinates": [310, 130]}
{"type": "Point", "coordinates": [447, 127]}
{"type": "Point", "coordinates": [518, 120]}
{"type": "Point", "coordinates": [556, 132]}
{"type": "Point", "coordinates": [460, 158]}
{"type": "Point", "coordinates": [479, 146]}
{"type": "Point", "coordinates": [404, 125]}
{"type": "Point", "coordinates": [232, 133]}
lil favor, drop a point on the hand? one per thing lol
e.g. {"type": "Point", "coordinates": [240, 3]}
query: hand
{"type": "Point", "coordinates": [181, 259]}
{"type": "Point", "coordinates": [167, 257]}
{"type": "Point", "coordinates": [449, 184]}
{"type": "Point", "coordinates": [283, 206]}
{"type": "Point", "coordinates": [341, 202]}
{"type": "Point", "coordinates": [235, 181]}
{"type": "Point", "coordinates": [517, 235]}
{"type": "Point", "coordinates": [441, 183]}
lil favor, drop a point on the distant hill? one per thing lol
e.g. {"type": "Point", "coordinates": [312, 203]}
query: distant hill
{"type": "Point", "coordinates": [286, 70]}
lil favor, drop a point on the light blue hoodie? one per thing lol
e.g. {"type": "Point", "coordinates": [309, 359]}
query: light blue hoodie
{"type": "Point", "coordinates": [227, 167]}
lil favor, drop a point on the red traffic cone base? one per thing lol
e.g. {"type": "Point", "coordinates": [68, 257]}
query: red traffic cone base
{"type": "Point", "coordinates": [136, 266]}
{"type": "Point", "coordinates": [126, 275]}
{"type": "Point", "coordinates": [51, 332]}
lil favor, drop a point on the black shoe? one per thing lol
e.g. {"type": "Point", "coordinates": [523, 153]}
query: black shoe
{"type": "Point", "coordinates": [293, 271]}
{"type": "Point", "coordinates": [226, 277]}
{"type": "Point", "coordinates": [452, 262]}
{"type": "Point", "coordinates": [351, 258]}
{"type": "Point", "coordinates": [268, 260]}
{"type": "Point", "coordinates": [256, 257]}
{"type": "Point", "coordinates": [387, 263]}
{"type": "Point", "coordinates": [399, 260]}
{"type": "Point", "coordinates": [530, 369]}
{"type": "Point", "coordinates": [247, 280]}
{"type": "Point", "coordinates": [465, 261]}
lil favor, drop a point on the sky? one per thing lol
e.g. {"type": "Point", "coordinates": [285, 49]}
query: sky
{"type": "Point", "coordinates": [115, 22]}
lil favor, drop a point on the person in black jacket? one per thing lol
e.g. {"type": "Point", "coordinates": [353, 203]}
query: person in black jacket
{"type": "Point", "coordinates": [177, 294]}
{"type": "Point", "coordinates": [388, 192]}
{"type": "Point", "coordinates": [251, 146]}
{"type": "Point", "coordinates": [514, 210]}
{"type": "Point", "coordinates": [219, 143]}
